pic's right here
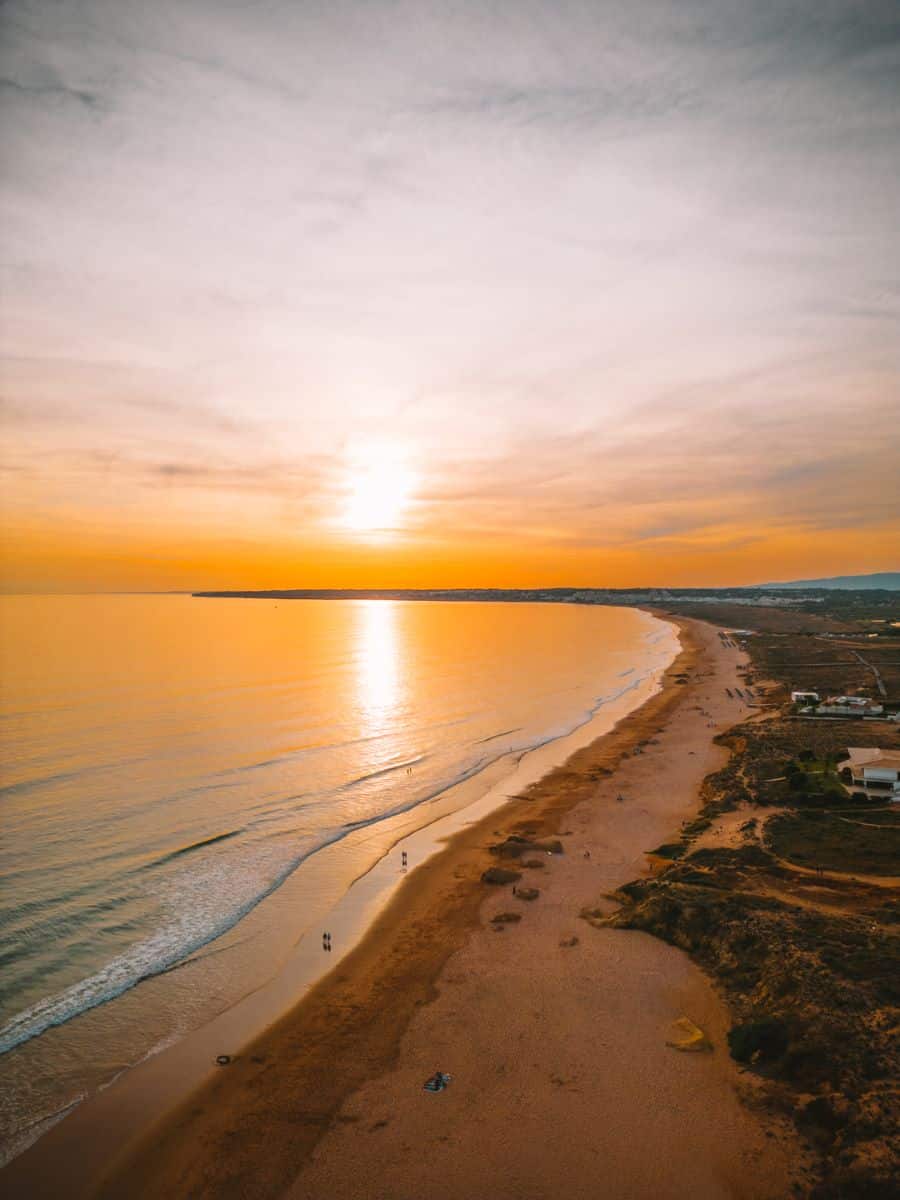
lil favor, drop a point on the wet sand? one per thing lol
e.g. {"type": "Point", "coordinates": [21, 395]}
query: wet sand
{"type": "Point", "coordinates": [562, 1081]}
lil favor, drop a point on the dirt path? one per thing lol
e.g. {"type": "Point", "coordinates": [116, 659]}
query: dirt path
{"type": "Point", "coordinates": [879, 881]}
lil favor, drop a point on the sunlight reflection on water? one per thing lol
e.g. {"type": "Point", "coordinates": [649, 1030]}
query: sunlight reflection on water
{"type": "Point", "coordinates": [378, 664]}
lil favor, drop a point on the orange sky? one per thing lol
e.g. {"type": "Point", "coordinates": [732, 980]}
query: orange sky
{"type": "Point", "coordinates": [368, 295]}
{"type": "Point", "coordinates": [129, 562]}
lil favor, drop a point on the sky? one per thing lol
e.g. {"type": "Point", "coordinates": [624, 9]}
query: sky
{"type": "Point", "coordinates": [512, 292]}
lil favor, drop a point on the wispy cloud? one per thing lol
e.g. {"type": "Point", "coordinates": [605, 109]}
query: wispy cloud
{"type": "Point", "coordinates": [615, 276]}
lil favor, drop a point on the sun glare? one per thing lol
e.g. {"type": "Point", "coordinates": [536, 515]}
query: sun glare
{"type": "Point", "coordinates": [380, 486]}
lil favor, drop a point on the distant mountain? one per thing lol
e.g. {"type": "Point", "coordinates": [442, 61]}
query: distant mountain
{"type": "Point", "coordinates": [888, 581]}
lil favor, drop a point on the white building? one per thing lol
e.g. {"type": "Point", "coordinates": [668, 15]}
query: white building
{"type": "Point", "coordinates": [805, 697]}
{"type": "Point", "coordinates": [872, 772]}
{"type": "Point", "coordinates": [849, 706]}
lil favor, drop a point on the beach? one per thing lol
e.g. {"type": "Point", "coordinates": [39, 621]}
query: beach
{"type": "Point", "coordinates": [180, 825]}
{"type": "Point", "coordinates": [554, 1032]}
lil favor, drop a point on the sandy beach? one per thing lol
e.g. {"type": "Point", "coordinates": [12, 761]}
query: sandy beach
{"type": "Point", "coordinates": [554, 1031]}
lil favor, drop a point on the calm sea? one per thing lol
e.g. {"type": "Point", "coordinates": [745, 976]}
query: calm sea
{"type": "Point", "coordinates": [179, 776]}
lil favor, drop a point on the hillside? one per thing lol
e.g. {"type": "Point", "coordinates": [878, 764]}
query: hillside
{"type": "Point", "coordinates": [884, 581]}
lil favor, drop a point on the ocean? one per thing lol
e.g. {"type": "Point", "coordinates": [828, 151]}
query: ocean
{"type": "Point", "coordinates": [189, 787]}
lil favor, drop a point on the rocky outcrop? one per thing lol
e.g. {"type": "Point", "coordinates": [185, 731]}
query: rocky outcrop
{"type": "Point", "coordinates": [500, 875]}
{"type": "Point", "coordinates": [515, 847]}
{"type": "Point", "coordinates": [506, 918]}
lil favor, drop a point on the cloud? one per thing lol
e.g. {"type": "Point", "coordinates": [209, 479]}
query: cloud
{"type": "Point", "coordinates": [616, 275]}
{"type": "Point", "coordinates": [51, 91]}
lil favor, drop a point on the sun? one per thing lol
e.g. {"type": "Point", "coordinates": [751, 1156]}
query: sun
{"type": "Point", "coordinates": [380, 485]}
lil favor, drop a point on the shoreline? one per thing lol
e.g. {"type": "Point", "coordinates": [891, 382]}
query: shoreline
{"type": "Point", "coordinates": [290, 1116]}
{"type": "Point", "coordinates": [85, 1132]}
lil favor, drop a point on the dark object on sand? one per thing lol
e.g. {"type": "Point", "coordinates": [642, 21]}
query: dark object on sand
{"type": "Point", "coordinates": [506, 918]}
{"type": "Point", "coordinates": [500, 875]}
{"type": "Point", "coordinates": [437, 1082]}
{"type": "Point", "coordinates": [515, 847]}
{"type": "Point", "coordinates": [527, 893]}
{"type": "Point", "coordinates": [223, 1060]}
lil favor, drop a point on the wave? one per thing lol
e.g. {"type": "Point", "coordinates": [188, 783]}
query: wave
{"type": "Point", "coordinates": [400, 766]}
{"type": "Point", "coordinates": [36, 782]}
{"type": "Point", "coordinates": [41, 781]}
{"type": "Point", "coordinates": [168, 945]}
{"type": "Point", "coordinates": [326, 747]}
{"type": "Point", "coordinates": [199, 919]}
{"type": "Point", "coordinates": [494, 736]}
{"type": "Point", "coordinates": [180, 938]}
{"type": "Point", "coordinates": [35, 1129]}
{"type": "Point", "coordinates": [171, 855]}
